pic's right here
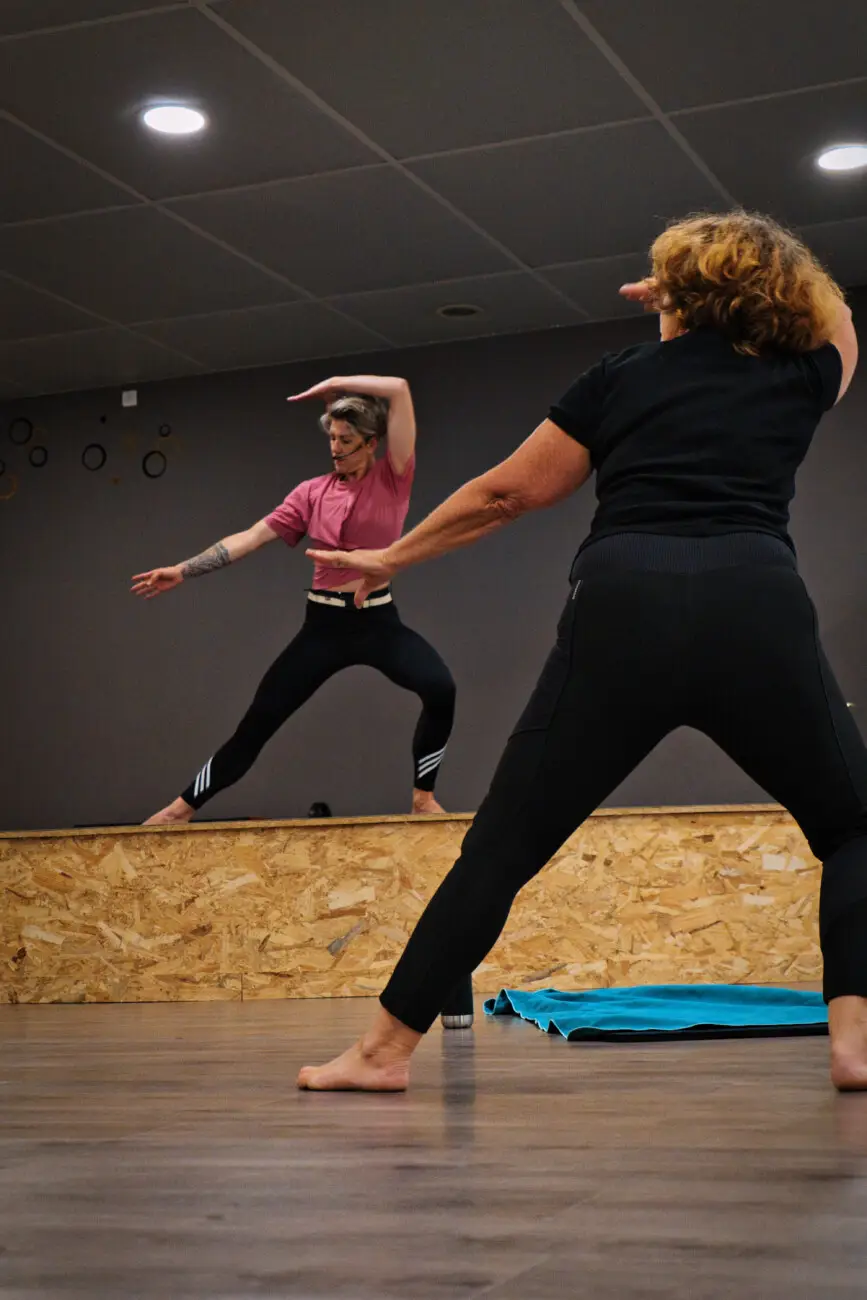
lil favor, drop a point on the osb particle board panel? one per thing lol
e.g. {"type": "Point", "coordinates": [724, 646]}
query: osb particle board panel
{"type": "Point", "coordinates": [323, 909]}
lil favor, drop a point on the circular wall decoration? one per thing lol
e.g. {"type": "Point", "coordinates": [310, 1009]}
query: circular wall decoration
{"type": "Point", "coordinates": [2, 468]}
{"type": "Point", "coordinates": [38, 457]}
{"type": "Point", "coordinates": [20, 430]}
{"type": "Point", "coordinates": [8, 487]}
{"type": "Point", "coordinates": [154, 464]}
{"type": "Point", "coordinates": [94, 456]}
{"type": "Point", "coordinates": [165, 431]}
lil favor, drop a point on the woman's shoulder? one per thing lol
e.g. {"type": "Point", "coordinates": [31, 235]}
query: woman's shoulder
{"type": "Point", "coordinates": [310, 489]}
{"type": "Point", "coordinates": [384, 472]}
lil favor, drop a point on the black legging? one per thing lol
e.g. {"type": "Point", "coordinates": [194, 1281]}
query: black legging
{"type": "Point", "coordinates": [718, 634]}
{"type": "Point", "coordinates": [330, 639]}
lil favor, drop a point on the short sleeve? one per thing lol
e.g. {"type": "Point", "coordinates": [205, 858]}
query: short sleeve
{"type": "Point", "coordinates": [400, 485]}
{"type": "Point", "coordinates": [823, 370]}
{"type": "Point", "coordinates": [290, 520]}
{"type": "Point", "coordinates": [579, 410]}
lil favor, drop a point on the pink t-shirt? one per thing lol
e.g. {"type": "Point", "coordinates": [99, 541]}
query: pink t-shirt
{"type": "Point", "coordinates": [346, 515]}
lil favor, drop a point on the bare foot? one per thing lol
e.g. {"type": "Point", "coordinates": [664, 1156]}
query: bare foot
{"type": "Point", "coordinates": [424, 804]}
{"type": "Point", "coordinates": [378, 1062]}
{"type": "Point", "coordinates": [172, 815]}
{"type": "Point", "coordinates": [354, 1071]}
{"type": "Point", "coordinates": [847, 1022]}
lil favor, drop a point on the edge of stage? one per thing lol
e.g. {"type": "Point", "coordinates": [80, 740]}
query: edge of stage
{"type": "Point", "coordinates": [321, 908]}
{"type": "Point", "coordinates": [386, 819]}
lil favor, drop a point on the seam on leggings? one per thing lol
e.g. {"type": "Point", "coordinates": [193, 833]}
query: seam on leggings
{"type": "Point", "coordinates": [817, 647]}
{"type": "Point", "coordinates": [546, 730]}
{"type": "Point", "coordinates": [570, 609]}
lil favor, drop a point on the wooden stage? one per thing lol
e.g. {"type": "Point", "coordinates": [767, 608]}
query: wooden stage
{"type": "Point", "coordinates": [160, 1152]}
{"type": "Point", "coordinates": [250, 910]}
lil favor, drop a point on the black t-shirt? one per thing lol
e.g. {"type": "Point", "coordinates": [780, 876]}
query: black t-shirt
{"type": "Point", "coordinates": [692, 438]}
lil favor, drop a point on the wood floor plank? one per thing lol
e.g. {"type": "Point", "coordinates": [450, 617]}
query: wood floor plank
{"type": "Point", "coordinates": [163, 1151]}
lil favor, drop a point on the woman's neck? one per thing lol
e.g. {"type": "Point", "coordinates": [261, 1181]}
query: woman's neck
{"type": "Point", "coordinates": [354, 476]}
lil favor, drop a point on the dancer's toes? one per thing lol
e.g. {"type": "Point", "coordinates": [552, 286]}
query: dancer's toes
{"type": "Point", "coordinates": [356, 1071]}
{"type": "Point", "coordinates": [174, 814]}
{"type": "Point", "coordinates": [164, 818]}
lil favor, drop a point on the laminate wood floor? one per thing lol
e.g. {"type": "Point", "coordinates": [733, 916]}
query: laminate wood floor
{"type": "Point", "coordinates": [161, 1151]}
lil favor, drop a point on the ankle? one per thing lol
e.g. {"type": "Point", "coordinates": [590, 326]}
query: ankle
{"type": "Point", "coordinates": [847, 1015]}
{"type": "Point", "coordinates": [388, 1039]}
{"type": "Point", "coordinates": [425, 801]}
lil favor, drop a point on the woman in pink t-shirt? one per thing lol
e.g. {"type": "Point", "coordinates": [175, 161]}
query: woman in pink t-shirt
{"type": "Point", "coordinates": [361, 503]}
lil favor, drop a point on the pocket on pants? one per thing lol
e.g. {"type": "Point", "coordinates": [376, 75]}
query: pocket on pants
{"type": "Point", "coordinates": [542, 704]}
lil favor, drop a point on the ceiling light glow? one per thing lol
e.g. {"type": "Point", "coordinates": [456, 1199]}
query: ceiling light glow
{"type": "Point", "coordinates": [843, 158]}
{"type": "Point", "coordinates": [174, 119]}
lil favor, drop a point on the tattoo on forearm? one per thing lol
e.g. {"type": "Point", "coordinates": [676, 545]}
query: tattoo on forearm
{"type": "Point", "coordinates": [215, 557]}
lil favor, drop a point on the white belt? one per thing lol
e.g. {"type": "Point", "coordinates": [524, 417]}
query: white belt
{"type": "Point", "coordinates": [371, 601]}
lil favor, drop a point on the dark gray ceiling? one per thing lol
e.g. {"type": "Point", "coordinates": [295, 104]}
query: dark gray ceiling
{"type": "Point", "coordinates": [369, 161]}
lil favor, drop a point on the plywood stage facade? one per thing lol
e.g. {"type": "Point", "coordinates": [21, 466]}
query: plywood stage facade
{"type": "Point", "coordinates": [322, 909]}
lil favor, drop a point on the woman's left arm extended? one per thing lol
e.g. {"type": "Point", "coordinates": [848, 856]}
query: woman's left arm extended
{"type": "Point", "coordinates": [545, 469]}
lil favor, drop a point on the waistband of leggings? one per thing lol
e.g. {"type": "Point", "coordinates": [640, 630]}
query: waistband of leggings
{"type": "Point", "coordinates": [346, 599]}
{"type": "Point", "coordinates": [663, 553]}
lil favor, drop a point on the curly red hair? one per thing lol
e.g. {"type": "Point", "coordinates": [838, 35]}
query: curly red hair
{"type": "Point", "coordinates": [742, 273]}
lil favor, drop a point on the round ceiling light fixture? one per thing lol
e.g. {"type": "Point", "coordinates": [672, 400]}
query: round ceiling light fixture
{"type": "Point", "coordinates": [459, 310]}
{"type": "Point", "coordinates": [843, 158]}
{"type": "Point", "coordinates": [174, 119]}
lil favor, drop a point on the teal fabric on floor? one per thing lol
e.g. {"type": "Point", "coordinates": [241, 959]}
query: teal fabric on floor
{"type": "Point", "coordinates": [658, 1011]}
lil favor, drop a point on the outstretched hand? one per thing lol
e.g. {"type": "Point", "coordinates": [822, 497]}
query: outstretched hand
{"type": "Point", "coordinates": [327, 390]}
{"type": "Point", "coordinates": [387, 386]}
{"type": "Point", "coordinates": [155, 581]}
{"type": "Point", "coordinates": [377, 573]}
{"type": "Point", "coordinates": [642, 291]}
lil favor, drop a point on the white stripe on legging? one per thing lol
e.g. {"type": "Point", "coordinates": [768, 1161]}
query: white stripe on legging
{"type": "Point", "coordinates": [203, 780]}
{"type": "Point", "coordinates": [428, 764]}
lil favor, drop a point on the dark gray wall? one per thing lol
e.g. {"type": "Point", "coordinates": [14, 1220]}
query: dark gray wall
{"type": "Point", "coordinates": [110, 704]}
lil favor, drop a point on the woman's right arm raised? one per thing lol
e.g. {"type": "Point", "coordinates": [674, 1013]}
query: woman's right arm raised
{"type": "Point", "coordinates": [155, 581]}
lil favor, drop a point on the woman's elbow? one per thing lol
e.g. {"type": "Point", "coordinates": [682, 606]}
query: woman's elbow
{"type": "Point", "coordinates": [509, 506]}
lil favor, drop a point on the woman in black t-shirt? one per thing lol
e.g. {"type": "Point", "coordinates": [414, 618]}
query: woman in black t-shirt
{"type": "Point", "coordinates": [686, 609]}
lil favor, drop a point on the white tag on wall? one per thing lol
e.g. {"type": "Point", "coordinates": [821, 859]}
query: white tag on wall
{"type": "Point", "coordinates": [129, 397]}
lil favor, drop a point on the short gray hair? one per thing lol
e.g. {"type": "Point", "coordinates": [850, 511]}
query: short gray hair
{"type": "Point", "coordinates": [367, 415]}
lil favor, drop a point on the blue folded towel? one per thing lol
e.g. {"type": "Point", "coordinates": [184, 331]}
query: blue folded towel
{"type": "Point", "coordinates": [667, 1010]}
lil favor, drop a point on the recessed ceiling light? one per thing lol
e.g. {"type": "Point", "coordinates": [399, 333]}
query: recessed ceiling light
{"type": "Point", "coordinates": [843, 158]}
{"type": "Point", "coordinates": [174, 119]}
{"type": "Point", "coordinates": [457, 310]}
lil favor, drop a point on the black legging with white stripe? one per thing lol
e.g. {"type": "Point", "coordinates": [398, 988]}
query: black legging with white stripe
{"type": "Point", "coordinates": [335, 637]}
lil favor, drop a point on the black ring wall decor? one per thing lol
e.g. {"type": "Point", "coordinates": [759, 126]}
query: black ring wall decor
{"type": "Point", "coordinates": [2, 468]}
{"type": "Point", "coordinates": [38, 457]}
{"type": "Point", "coordinates": [94, 456]}
{"type": "Point", "coordinates": [20, 430]}
{"type": "Point", "coordinates": [154, 464]}
{"type": "Point", "coordinates": [165, 430]}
